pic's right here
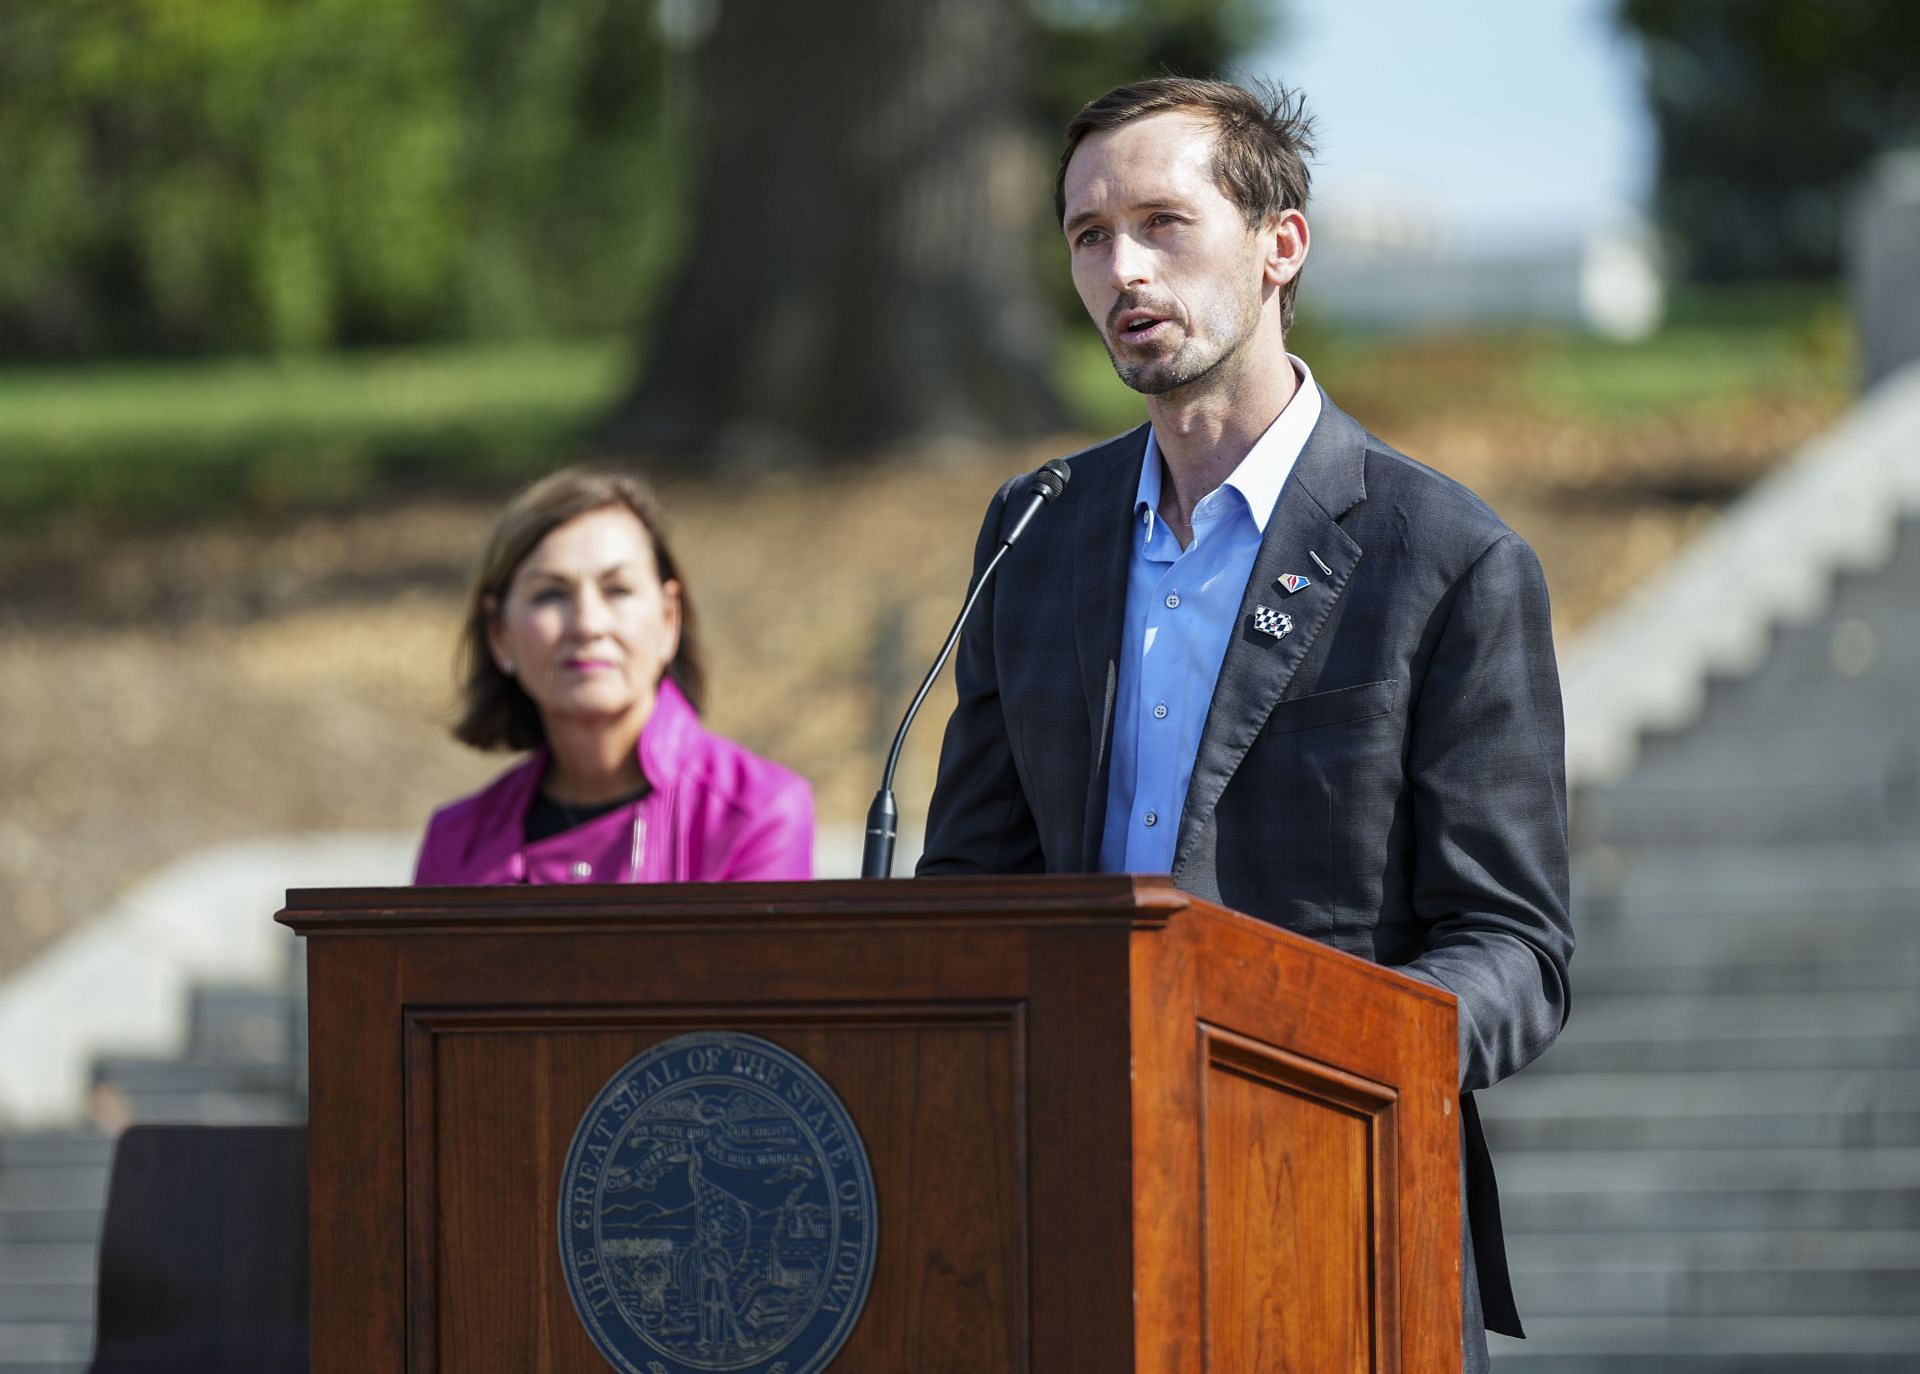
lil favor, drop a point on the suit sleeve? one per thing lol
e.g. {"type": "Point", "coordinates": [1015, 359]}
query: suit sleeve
{"type": "Point", "coordinates": [979, 820]}
{"type": "Point", "coordinates": [1488, 765]}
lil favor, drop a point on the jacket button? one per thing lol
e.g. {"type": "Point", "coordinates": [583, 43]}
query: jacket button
{"type": "Point", "coordinates": [583, 869]}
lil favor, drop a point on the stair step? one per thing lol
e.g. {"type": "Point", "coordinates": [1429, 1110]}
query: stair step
{"type": "Point", "coordinates": [1881, 1344]}
{"type": "Point", "coordinates": [1881, 642]}
{"type": "Point", "coordinates": [1712, 810]}
{"type": "Point", "coordinates": [47, 1302]}
{"type": "Point", "coordinates": [1783, 1108]}
{"type": "Point", "coordinates": [82, 1147]}
{"type": "Point", "coordinates": [241, 1025]}
{"type": "Point", "coordinates": [39, 1225]}
{"type": "Point", "coordinates": [1814, 881]}
{"type": "Point", "coordinates": [1804, 698]}
{"type": "Point", "coordinates": [1769, 1015]}
{"type": "Point", "coordinates": [1828, 746]}
{"type": "Point", "coordinates": [53, 1262]}
{"type": "Point", "coordinates": [1740, 1030]}
{"type": "Point", "coordinates": [39, 1347]}
{"type": "Point", "coordinates": [1721, 1250]}
{"type": "Point", "coordinates": [214, 1109]}
{"type": "Point", "coordinates": [1652, 1191]}
{"type": "Point", "coordinates": [53, 1186]}
{"type": "Point", "coordinates": [1731, 952]}
{"type": "Point", "coordinates": [144, 1077]}
{"type": "Point", "coordinates": [1724, 1274]}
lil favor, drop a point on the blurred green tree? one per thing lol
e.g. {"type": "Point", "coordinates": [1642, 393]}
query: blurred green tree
{"type": "Point", "coordinates": [852, 192]}
{"type": "Point", "coordinates": [1767, 111]}
{"type": "Point", "coordinates": [875, 179]}
{"type": "Point", "coordinates": [247, 175]}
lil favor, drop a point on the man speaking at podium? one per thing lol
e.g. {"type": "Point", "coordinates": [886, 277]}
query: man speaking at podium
{"type": "Point", "coordinates": [1256, 648]}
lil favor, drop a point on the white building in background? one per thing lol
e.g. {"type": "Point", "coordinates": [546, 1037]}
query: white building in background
{"type": "Point", "coordinates": [1379, 260]}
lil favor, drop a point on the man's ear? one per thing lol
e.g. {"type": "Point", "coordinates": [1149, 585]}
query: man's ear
{"type": "Point", "coordinates": [1285, 239]}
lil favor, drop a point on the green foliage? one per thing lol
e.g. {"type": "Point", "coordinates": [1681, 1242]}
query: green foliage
{"type": "Point", "coordinates": [169, 441]}
{"type": "Point", "coordinates": [1767, 113]}
{"type": "Point", "coordinates": [290, 175]}
{"type": "Point", "coordinates": [208, 177]}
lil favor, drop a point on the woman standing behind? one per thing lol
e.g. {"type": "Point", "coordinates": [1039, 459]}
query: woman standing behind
{"type": "Point", "coordinates": [579, 645]}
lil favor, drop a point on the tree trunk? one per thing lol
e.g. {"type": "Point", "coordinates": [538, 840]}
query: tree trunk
{"type": "Point", "coordinates": [859, 274]}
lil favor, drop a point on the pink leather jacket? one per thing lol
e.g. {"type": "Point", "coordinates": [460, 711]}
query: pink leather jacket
{"type": "Point", "coordinates": [716, 814]}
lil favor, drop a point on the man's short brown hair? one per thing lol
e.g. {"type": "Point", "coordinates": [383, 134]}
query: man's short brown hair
{"type": "Point", "coordinates": [1263, 137]}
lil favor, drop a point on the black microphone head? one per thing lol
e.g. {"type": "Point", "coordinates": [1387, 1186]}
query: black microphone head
{"type": "Point", "coordinates": [1042, 485]}
{"type": "Point", "coordinates": [1050, 479]}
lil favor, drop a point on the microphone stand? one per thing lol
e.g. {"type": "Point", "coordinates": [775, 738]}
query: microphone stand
{"type": "Point", "coordinates": [883, 817]}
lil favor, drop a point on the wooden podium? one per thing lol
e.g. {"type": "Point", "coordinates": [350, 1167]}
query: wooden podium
{"type": "Point", "coordinates": [1111, 1127]}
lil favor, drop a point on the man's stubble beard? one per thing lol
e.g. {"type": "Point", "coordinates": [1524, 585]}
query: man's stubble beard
{"type": "Point", "coordinates": [1197, 374]}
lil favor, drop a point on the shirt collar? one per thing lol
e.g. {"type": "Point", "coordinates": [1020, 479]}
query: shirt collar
{"type": "Point", "coordinates": [1267, 465]}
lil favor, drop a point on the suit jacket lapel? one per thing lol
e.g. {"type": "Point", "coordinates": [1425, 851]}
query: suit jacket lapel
{"type": "Point", "coordinates": [1102, 554]}
{"type": "Point", "coordinates": [1328, 481]}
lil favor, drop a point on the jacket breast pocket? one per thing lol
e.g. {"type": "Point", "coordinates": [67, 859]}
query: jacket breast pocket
{"type": "Point", "coordinates": [1334, 708]}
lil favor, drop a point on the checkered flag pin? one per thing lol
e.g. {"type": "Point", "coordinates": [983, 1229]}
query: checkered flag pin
{"type": "Point", "coordinates": [1271, 622]}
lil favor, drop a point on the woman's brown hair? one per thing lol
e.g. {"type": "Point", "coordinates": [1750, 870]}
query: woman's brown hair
{"type": "Point", "coordinates": [496, 712]}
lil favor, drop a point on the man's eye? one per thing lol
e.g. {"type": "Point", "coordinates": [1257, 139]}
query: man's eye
{"type": "Point", "coordinates": [617, 589]}
{"type": "Point", "coordinates": [1088, 237]}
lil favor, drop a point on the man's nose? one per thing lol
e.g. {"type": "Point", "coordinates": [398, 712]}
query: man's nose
{"type": "Point", "coordinates": [1131, 263]}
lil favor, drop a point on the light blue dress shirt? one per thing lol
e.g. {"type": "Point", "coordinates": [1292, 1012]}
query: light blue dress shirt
{"type": "Point", "coordinates": [1182, 605]}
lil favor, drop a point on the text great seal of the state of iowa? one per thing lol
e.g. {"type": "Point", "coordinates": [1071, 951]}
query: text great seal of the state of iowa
{"type": "Point", "coordinates": [717, 1212]}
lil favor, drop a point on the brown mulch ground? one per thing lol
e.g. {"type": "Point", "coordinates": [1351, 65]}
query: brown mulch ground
{"type": "Point", "coordinates": [171, 691]}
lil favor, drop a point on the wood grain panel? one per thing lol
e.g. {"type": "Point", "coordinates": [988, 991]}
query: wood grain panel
{"type": "Point", "coordinates": [1080, 1095]}
{"type": "Point", "coordinates": [1167, 1232]}
{"type": "Point", "coordinates": [1299, 1223]}
{"type": "Point", "coordinates": [355, 1170]}
{"type": "Point", "coordinates": [933, 1093]}
{"type": "Point", "coordinates": [1276, 988]}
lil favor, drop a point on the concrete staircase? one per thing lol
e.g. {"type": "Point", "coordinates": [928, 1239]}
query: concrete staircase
{"type": "Point", "coordinates": [1717, 1168]}
{"type": "Point", "coordinates": [245, 1062]}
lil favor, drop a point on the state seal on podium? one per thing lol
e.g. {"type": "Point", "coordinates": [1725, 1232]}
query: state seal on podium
{"type": "Point", "coordinates": [717, 1212]}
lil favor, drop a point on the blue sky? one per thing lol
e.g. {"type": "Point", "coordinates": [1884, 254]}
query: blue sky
{"type": "Point", "coordinates": [1514, 123]}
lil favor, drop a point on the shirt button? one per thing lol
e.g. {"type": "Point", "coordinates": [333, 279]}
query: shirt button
{"type": "Point", "coordinates": [1173, 600]}
{"type": "Point", "coordinates": [1160, 710]}
{"type": "Point", "coordinates": [583, 869]}
{"type": "Point", "coordinates": [1151, 818]}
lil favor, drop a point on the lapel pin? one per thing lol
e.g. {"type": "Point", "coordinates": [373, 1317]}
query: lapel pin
{"type": "Point", "coordinates": [1271, 622]}
{"type": "Point", "coordinates": [1320, 563]}
{"type": "Point", "coordinates": [1292, 582]}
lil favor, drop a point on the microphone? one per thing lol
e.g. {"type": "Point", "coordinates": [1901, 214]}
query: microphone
{"type": "Point", "coordinates": [883, 817]}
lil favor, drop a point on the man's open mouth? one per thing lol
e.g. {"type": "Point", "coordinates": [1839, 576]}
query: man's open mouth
{"type": "Point", "coordinates": [1140, 326]}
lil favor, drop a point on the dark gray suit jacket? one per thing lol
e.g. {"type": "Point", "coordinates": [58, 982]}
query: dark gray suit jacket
{"type": "Point", "coordinates": [1388, 778]}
